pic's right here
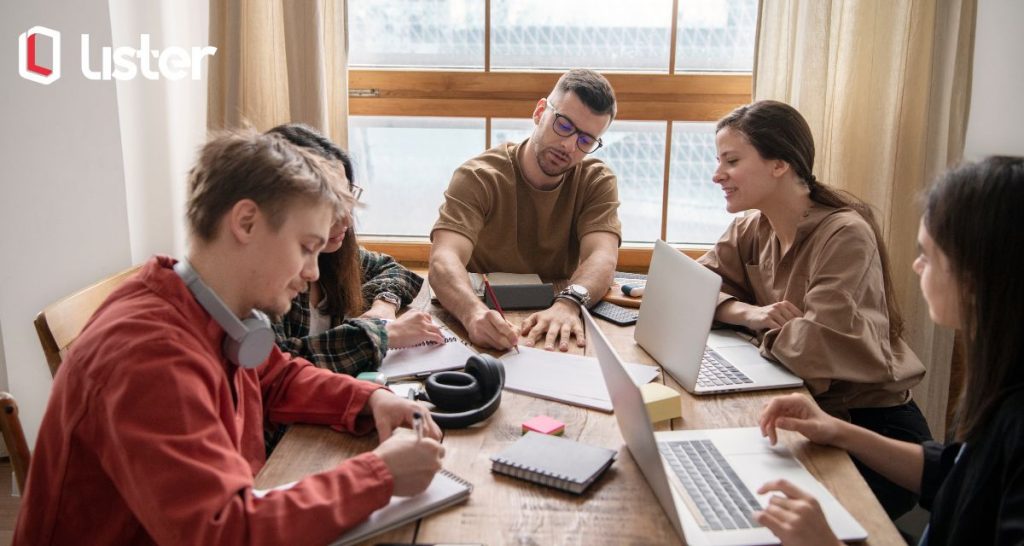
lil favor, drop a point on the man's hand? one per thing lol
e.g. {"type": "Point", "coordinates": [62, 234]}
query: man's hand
{"type": "Point", "coordinates": [413, 328]}
{"type": "Point", "coordinates": [558, 324]}
{"type": "Point", "coordinates": [390, 411]}
{"type": "Point", "coordinates": [412, 462]}
{"type": "Point", "coordinates": [487, 328]}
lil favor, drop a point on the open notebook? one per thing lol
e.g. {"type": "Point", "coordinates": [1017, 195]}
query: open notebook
{"type": "Point", "coordinates": [446, 489]}
{"type": "Point", "coordinates": [562, 377]}
{"type": "Point", "coordinates": [426, 358]}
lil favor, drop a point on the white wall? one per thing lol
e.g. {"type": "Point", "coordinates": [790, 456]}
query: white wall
{"type": "Point", "coordinates": [163, 122]}
{"type": "Point", "coordinates": [996, 123]}
{"type": "Point", "coordinates": [63, 219]}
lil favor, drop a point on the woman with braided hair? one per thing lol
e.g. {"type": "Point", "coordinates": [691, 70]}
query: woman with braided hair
{"type": "Point", "coordinates": [807, 272]}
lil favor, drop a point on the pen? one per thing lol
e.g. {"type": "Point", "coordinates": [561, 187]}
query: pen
{"type": "Point", "coordinates": [417, 424]}
{"type": "Point", "coordinates": [497, 305]}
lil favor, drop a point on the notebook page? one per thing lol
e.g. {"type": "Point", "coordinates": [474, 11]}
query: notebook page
{"type": "Point", "coordinates": [568, 378]}
{"type": "Point", "coordinates": [427, 358]}
{"type": "Point", "coordinates": [446, 489]}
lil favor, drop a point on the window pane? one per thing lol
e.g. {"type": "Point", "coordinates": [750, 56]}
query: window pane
{"type": "Point", "coordinates": [597, 34]}
{"type": "Point", "coordinates": [510, 130]}
{"type": "Point", "coordinates": [635, 151]}
{"type": "Point", "coordinates": [716, 35]}
{"type": "Point", "coordinates": [416, 33]}
{"type": "Point", "coordinates": [696, 205]}
{"type": "Point", "coordinates": [405, 164]}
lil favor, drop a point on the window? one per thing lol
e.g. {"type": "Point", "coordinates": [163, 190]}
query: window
{"type": "Point", "coordinates": [435, 82]}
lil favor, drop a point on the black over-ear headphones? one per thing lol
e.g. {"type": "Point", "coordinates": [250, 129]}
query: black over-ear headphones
{"type": "Point", "coordinates": [247, 343]}
{"type": "Point", "coordinates": [466, 397]}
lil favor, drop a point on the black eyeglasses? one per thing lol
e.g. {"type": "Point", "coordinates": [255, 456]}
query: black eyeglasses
{"type": "Point", "coordinates": [563, 126]}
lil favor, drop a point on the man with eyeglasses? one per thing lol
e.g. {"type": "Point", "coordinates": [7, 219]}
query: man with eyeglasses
{"type": "Point", "coordinates": [543, 206]}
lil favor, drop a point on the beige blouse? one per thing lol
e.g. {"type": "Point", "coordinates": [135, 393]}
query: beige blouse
{"type": "Point", "coordinates": [833, 273]}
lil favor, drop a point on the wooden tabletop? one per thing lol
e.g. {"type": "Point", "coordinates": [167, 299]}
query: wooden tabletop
{"type": "Point", "coordinates": [617, 509]}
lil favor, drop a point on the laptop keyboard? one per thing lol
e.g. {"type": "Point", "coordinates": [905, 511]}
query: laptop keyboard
{"type": "Point", "coordinates": [716, 372]}
{"type": "Point", "coordinates": [723, 501]}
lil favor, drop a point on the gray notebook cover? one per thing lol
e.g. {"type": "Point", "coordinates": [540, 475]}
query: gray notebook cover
{"type": "Point", "coordinates": [553, 461]}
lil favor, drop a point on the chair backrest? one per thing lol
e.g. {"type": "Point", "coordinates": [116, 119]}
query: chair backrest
{"type": "Point", "coordinates": [59, 324]}
{"type": "Point", "coordinates": [14, 438]}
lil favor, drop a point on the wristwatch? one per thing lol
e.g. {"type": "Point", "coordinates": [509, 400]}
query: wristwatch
{"type": "Point", "coordinates": [577, 293]}
{"type": "Point", "coordinates": [389, 297]}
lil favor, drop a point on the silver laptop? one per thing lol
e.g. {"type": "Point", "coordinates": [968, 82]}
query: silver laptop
{"type": "Point", "coordinates": [705, 479]}
{"type": "Point", "coordinates": [675, 319]}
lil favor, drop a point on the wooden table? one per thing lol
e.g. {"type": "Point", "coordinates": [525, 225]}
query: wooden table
{"type": "Point", "coordinates": [618, 509]}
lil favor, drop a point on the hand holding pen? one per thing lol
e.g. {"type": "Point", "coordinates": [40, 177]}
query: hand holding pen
{"type": "Point", "coordinates": [497, 306]}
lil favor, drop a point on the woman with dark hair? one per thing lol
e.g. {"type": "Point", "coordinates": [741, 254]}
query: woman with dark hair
{"type": "Point", "coordinates": [971, 252]}
{"type": "Point", "coordinates": [809, 274]}
{"type": "Point", "coordinates": [346, 321]}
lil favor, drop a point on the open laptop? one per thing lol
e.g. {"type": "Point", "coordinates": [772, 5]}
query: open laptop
{"type": "Point", "coordinates": [705, 479]}
{"type": "Point", "coordinates": [675, 320]}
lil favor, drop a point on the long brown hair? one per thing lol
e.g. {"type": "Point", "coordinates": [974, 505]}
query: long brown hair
{"type": "Point", "coordinates": [973, 214]}
{"type": "Point", "coordinates": [341, 272]}
{"type": "Point", "coordinates": [778, 131]}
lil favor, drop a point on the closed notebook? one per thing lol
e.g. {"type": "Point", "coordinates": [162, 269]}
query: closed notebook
{"type": "Point", "coordinates": [445, 490]}
{"type": "Point", "coordinates": [553, 461]}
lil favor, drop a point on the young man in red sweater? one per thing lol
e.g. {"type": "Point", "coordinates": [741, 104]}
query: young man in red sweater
{"type": "Point", "coordinates": [154, 429]}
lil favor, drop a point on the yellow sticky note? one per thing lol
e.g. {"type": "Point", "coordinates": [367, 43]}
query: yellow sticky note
{"type": "Point", "coordinates": [663, 403]}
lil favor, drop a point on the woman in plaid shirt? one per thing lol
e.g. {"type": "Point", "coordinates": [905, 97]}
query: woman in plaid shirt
{"type": "Point", "coordinates": [346, 321]}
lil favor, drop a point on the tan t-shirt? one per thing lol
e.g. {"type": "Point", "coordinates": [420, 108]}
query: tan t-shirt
{"type": "Point", "coordinates": [517, 228]}
{"type": "Point", "coordinates": [833, 273]}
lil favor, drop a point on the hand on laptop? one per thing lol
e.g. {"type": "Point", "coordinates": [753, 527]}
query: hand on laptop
{"type": "Point", "coordinates": [801, 414]}
{"type": "Point", "coordinates": [488, 328]}
{"type": "Point", "coordinates": [557, 324]}
{"type": "Point", "coordinates": [795, 518]}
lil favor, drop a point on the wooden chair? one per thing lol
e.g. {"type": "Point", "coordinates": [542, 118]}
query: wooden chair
{"type": "Point", "coordinates": [14, 438]}
{"type": "Point", "coordinates": [59, 324]}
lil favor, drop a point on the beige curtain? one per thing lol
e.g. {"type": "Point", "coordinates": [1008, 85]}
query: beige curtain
{"type": "Point", "coordinates": [885, 86]}
{"type": "Point", "coordinates": [279, 61]}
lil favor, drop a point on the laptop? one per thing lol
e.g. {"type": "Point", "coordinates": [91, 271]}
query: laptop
{"type": "Point", "coordinates": [674, 324]}
{"type": "Point", "coordinates": [705, 480]}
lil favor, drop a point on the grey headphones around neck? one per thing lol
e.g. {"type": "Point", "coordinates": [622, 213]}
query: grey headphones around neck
{"type": "Point", "coordinates": [248, 342]}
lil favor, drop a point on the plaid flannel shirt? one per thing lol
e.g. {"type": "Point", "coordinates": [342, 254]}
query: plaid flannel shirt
{"type": "Point", "coordinates": [351, 345]}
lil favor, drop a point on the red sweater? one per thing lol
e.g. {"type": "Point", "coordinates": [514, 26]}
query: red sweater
{"type": "Point", "coordinates": [142, 441]}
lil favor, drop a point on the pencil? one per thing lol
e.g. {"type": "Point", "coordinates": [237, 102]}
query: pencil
{"type": "Point", "coordinates": [497, 304]}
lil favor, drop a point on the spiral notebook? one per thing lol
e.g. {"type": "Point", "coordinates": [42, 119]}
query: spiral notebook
{"type": "Point", "coordinates": [553, 461]}
{"type": "Point", "coordinates": [426, 358]}
{"type": "Point", "coordinates": [445, 490]}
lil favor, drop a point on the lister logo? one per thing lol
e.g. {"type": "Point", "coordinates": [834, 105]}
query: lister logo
{"type": "Point", "coordinates": [120, 63]}
{"type": "Point", "coordinates": [29, 65]}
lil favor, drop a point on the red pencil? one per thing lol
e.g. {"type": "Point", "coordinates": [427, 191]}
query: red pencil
{"type": "Point", "coordinates": [497, 304]}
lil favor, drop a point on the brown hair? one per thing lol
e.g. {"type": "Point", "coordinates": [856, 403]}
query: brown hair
{"type": "Point", "coordinates": [778, 131]}
{"type": "Point", "coordinates": [591, 88]}
{"type": "Point", "coordinates": [972, 213]}
{"type": "Point", "coordinates": [341, 272]}
{"type": "Point", "coordinates": [244, 164]}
